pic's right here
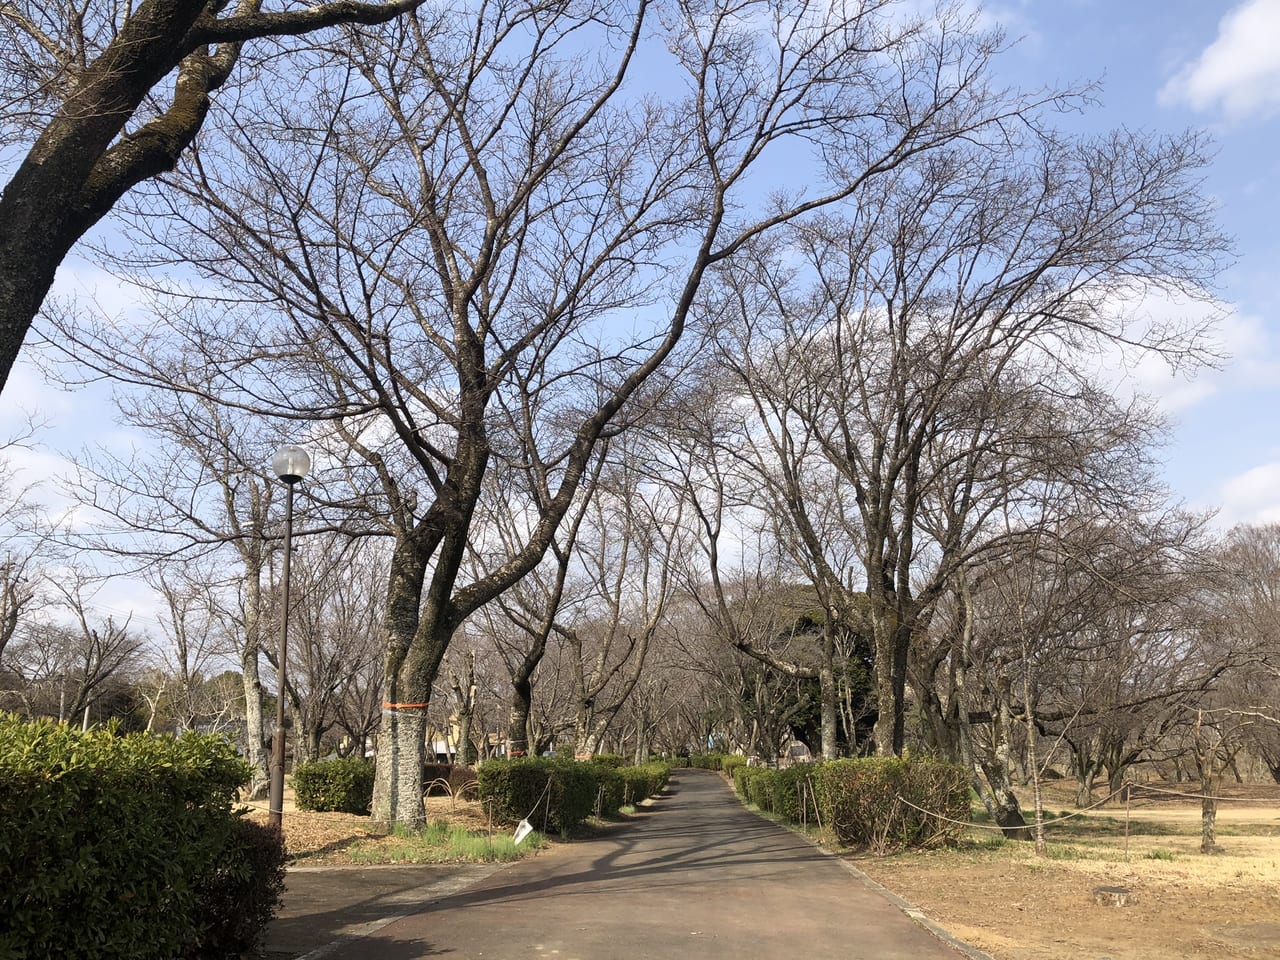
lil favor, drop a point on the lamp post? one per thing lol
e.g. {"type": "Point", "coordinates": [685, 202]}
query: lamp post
{"type": "Point", "coordinates": [291, 464]}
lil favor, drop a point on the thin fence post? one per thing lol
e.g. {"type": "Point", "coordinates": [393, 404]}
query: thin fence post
{"type": "Point", "coordinates": [1128, 796]}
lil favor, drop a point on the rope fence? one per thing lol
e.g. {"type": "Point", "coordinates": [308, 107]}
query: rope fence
{"type": "Point", "coordinates": [1127, 790]}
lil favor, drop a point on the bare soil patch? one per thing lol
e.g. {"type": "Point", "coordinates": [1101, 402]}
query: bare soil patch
{"type": "Point", "coordinates": [326, 838]}
{"type": "Point", "coordinates": [1003, 899]}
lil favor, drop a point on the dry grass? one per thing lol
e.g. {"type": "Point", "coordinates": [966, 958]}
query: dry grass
{"type": "Point", "coordinates": [1003, 899]}
{"type": "Point", "coordinates": [332, 838]}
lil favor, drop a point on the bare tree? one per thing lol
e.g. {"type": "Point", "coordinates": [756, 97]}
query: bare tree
{"type": "Point", "coordinates": [80, 90]}
{"type": "Point", "coordinates": [66, 668]}
{"type": "Point", "coordinates": [917, 343]}
{"type": "Point", "coordinates": [198, 494]}
{"type": "Point", "coordinates": [432, 251]}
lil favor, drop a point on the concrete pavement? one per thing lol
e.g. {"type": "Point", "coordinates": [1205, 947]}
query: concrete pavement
{"type": "Point", "coordinates": [696, 876]}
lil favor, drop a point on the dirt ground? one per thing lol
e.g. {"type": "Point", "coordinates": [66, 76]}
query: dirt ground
{"type": "Point", "coordinates": [324, 838]}
{"type": "Point", "coordinates": [1015, 906]}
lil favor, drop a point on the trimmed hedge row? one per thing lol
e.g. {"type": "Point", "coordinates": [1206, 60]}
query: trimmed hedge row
{"type": "Point", "coordinates": [128, 846]}
{"type": "Point", "coordinates": [559, 794]}
{"type": "Point", "coordinates": [871, 802]}
{"type": "Point", "coordinates": [706, 761]}
{"type": "Point", "coordinates": [342, 785]}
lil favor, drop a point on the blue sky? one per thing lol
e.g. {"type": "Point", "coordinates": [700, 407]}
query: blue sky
{"type": "Point", "coordinates": [1164, 66]}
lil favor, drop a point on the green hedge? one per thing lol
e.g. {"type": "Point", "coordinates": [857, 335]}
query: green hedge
{"type": "Point", "coordinates": [519, 788]}
{"type": "Point", "coordinates": [787, 787]}
{"type": "Point", "coordinates": [706, 761]}
{"type": "Point", "coordinates": [730, 763]}
{"type": "Point", "coordinates": [344, 785]}
{"type": "Point", "coordinates": [644, 781]}
{"type": "Point", "coordinates": [611, 788]}
{"type": "Point", "coordinates": [614, 760]}
{"type": "Point", "coordinates": [863, 801]}
{"type": "Point", "coordinates": [127, 846]}
{"type": "Point", "coordinates": [554, 793]}
{"type": "Point", "coordinates": [755, 785]}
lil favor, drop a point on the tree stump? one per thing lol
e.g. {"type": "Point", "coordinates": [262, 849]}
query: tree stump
{"type": "Point", "coordinates": [1111, 896]}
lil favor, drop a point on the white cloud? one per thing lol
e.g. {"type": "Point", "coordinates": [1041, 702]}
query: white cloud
{"type": "Point", "coordinates": [1239, 72]}
{"type": "Point", "coordinates": [1215, 326]}
{"type": "Point", "coordinates": [1252, 497]}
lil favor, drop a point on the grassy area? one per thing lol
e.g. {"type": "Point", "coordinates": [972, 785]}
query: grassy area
{"type": "Point", "coordinates": [443, 842]}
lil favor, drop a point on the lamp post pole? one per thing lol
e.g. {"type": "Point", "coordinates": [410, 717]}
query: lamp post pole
{"type": "Point", "coordinates": [291, 464]}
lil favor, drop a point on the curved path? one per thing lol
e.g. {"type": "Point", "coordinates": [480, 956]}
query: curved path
{"type": "Point", "coordinates": [697, 876]}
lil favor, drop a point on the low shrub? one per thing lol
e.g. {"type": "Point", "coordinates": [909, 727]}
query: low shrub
{"type": "Point", "coordinates": [614, 760]}
{"type": "Point", "coordinates": [706, 761]}
{"type": "Point", "coordinates": [552, 792]}
{"type": "Point", "coordinates": [747, 782]}
{"type": "Point", "coordinates": [127, 846]}
{"type": "Point", "coordinates": [238, 898]}
{"type": "Point", "coordinates": [786, 789]}
{"type": "Point", "coordinates": [611, 789]}
{"type": "Point", "coordinates": [730, 764]}
{"type": "Point", "coordinates": [644, 781]}
{"type": "Point", "coordinates": [344, 785]}
{"type": "Point", "coordinates": [452, 779]}
{"type": "Point", "coordinates": [875, 801]}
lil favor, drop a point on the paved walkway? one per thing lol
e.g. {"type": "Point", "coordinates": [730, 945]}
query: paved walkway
{"type": "Point", "coordinates": [697, 876]}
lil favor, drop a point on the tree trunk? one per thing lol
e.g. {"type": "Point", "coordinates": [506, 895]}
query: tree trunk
{"type": "Point", "coordinates": [518, 719]}
{"type": "Point", "coordinates": [1008, 812]}
{"type": "Point", "coordinates": [397, 789]}
{"type": "Point", "coordinates": [1084, 788]}
{"type": "Point", "coordinates": [886, 703]}
{"type": "Point", "coordinates": [406, 691]}
{"type": "Point", "coordinates": [1208, 811]}
{"type": "Point", "coordinates": [260, 778]}
{"type": "Point", "coordinates": [827, 689]}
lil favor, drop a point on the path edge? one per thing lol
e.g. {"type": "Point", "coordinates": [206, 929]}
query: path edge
{"type": "Point", "coordinates": [906, 906]}
{"type": "Point", "coordinates": [434, 893]}
{"type": "Point", "coordinates": [914, 912]}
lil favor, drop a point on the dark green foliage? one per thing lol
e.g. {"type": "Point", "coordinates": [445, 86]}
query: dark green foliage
{"type": "Point", "coordinates": [611, 791]}
{"type": "Point", "coordinates": [552, 792]}
{"type": "Point", "coordinates": [868, 802]}
{"type": "Point", "coordinates": [610, 760]}
{"type": "Point", "coordinates": [459, 778]}
{"type": "Point", "coordinates": [344, 785]}
{"type": "Point", "coordinates": [238, 898]}
{"type": "Point", "coordinates": [518, 789]}
{"type": "Point", "coordinates": [611, 788]}
{"type": "Point", "coordinates": [127, 846]}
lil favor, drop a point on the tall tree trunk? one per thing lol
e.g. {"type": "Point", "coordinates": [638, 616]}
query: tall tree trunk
{"type": "Point", "coordinates": [397, 788]}
{"type": "Point", "coordinates": [1008, 812]}
{"type": "Point", "coordinates": [518, 719]}
{"type": "Point", "coordinates": [255, 754]}
{"type": "Point", "coordinates": [1206, 754]}
{"type": "Point", "coordinates": [827, 688]}
{"type": "Point", "coordinates": [464, 692]}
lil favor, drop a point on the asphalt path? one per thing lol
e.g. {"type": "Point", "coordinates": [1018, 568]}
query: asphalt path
{"type": "Point", "coordinates": [695, 876]}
